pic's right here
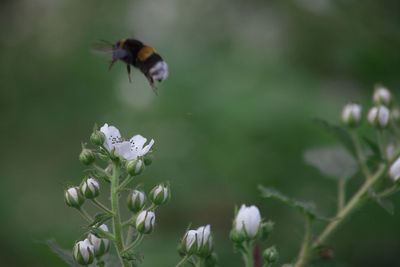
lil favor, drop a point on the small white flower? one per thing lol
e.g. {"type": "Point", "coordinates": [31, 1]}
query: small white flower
{"type": "Point", "coordinates": [382, 96]}
{"type": "Point", "coordinates": [394, 170]}
{"type": "Point", "coordinates": [159, 72]}
{"type": "Point", "coordinates": [145, 222]}
{"type": "Point", "coordinates": [379, 116]}
{"type": "Point", "coordinates": [248, 218]}
{"type": "Point", "coordinates": [127, 149]}
{"type": "Point", "coordinates": [351, 114]}
{"type": "Point", "coordinates": [83, 252]}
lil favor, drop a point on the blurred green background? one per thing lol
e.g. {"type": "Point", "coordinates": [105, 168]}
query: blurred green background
{"type": "Point", "coordinates": [246, 80]}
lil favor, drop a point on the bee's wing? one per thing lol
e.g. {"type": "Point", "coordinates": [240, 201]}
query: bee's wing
{"type": "Point", "coordinates": [102, 49]}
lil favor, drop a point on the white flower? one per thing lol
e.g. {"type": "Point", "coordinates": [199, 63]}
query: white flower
{"type": "Point", "coordinates": [145, 222]}
{"type": "Point", "coordinates": [248, 218]}
{"type": "Point", "coordinates": [394, 170]}
{"type": "Point", "coordinates": [382, 96]}
{"type": "Point", "coordinates": [351, 114]}
{"type": "Point", "coordinates": [100, 245]}
{"type": "Point", "coordinates": [83, 252]}
{"type": "Point", "coordinates": [159, 72]}
{"type": "Point", "coordinates": [379, 116]}
{"type": "Point", "coordinates": [127, 149]}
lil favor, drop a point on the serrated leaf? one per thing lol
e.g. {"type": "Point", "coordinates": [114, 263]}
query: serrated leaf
{"type": "Point", "coordinates": [100, 218]}
{"type": "Point", "coordinates": [307, 208]}
{"type": "Point", "coordinates": [64, 254]}
{"type": "Point", "coordinates": [334, 162]}
{"type": "Point", "coordinates": [340, 133]}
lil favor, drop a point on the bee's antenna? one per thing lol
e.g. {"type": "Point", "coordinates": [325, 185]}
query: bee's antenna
{"type": "Point", "coordinates": [105, 41]}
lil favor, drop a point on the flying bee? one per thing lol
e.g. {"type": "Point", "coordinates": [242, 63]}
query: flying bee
{"type": "Point", "coordinates": [143, 57]}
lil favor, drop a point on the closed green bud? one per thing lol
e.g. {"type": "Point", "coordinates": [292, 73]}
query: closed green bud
{"type": "Point", "coordinates": [97, 138]}
{"type": "Point", "coordinates": [90, 188]}
{"type": "Point", "coordinates": [83, 252]}
{"type": "Point", "coordinates": [266, 229]}
{"type": "Point", "coordinates": [136, 200]}
{"type": "Point", "coordinates": [160, 194]}
{"type": "Point", "coordinates": [211, 260]}
{"type": "Point", "coordinates": [236, 237]}
{"type": "Point", "coordinates": [135, 166]}
{"type": "Point", "coordinates": [86, 157]}
{"type": "Point", "coordinates": [73, 197]}
{"type": "Point", "coordinates": [145, 222]}
{"type": "Point", "coordinates": [100, 245]}
{"type": "Point", "coordinates": [148, 159]}
{"type": "Point", "coordinates": [271, 254]}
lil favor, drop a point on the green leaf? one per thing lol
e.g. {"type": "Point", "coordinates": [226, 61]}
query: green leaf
{"type": "Point", "coordinates": [100, 218]}
{"type": "Point", "coordinates": [64, 254]}
{"type": "Point", "coordinates": [133, 256]}
{"type": "Point", "coordinates": [339, 132]}
{"type": "Point", "coordinates": [307, 208]}
{"type": "Point", "coordinates": [332, 161]}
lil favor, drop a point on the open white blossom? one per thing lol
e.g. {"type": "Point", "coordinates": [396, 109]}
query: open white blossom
{"type": "Point", "coordinates": [131, 149]}
{"type": "Point", "coordinates": [248, 218]}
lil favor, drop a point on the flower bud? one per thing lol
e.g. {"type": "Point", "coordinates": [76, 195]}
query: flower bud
{"type": "Point", "coordinates": [266, 229]}
{"type": "Point", "coordinates": [211, 260]}
{"type": "Point", "coordinates": [271, 254]}
{"type": "Point", "coordinates": [136, 200]}
{"type": "Point", "coordinates": [100, 245]}
{"type": "Point", "coordinates": [97, 138]}
{"type": "Point", "coordinates": [351, 115]}
{"type": "Point", "coordinates": [73, 197]}
{"type": "Point", "coordinates": [148, 159]}
{"type": "Point", "coordinates": [86, 157]}
{"type": "Point", "coordinates": [83, 252]}
{"type": "Point", "coordinates": [205, 240]}
{"type": "Point", "coordinates": [236, 237]}
{"type": "Point", "coordinates": [160, 194]}
{"type": "Point", "coordinates": [248, 221]}
{"type": "Point", "coordinates": [90, 188]}
{"type": "Point", "coordinates": [382, 96]}
{"type": "Point", "coordinates": [394, 171]}
{"type": "Point", "coordinates": [145, 222]}
{"type": "Point", "coordinates": [135, 166]}
{"type": "Point", "coordinates": [379, 117]}
{"type": "Point", "coordinates": [189, 243]}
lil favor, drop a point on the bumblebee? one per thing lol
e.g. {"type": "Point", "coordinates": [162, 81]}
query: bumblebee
{"type": "Point", "coordinates": [143, 57]}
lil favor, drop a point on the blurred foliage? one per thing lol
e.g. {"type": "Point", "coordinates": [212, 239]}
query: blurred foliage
{"type": "Point", "coordinates": [246, 80]}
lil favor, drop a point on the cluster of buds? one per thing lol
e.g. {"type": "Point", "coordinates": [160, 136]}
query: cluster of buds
{"type": "Point", "coordinates": [125, 159]}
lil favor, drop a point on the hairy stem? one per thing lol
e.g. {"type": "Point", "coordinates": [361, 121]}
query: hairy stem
{"type": "Point", "coordinates": [350, 207]}
{"type": "Point", "coordinates": [125, 183]}
{"type": "Point", "coordinates": [135, 243]}
{"type": "Point", "coordinates": [305, 247]}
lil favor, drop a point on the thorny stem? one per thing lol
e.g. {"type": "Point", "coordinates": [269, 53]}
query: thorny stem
{"type": "Point", "coordinates": [360, 156]}
{"type": "Point", "coordinates": [350, 207]}
{"type": "Point", "coordinates": [116, 218]}
{"type": "Point", "coordinates": [341, 194]}
{"type": "Point", "coordinates": [135, 243]}
{"type": "Point", "coordinates": [101, 206]}
{"type": "Point", "coordinates": [184, 259]}
{"type": "Point", "coordinates": [305, 247]}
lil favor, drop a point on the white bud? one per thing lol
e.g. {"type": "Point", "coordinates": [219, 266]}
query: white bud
{"type": "Point", "coordinates": [160, 194]}
{"type": "Point", "coordinates": [100, 245]}
{"type": "Point", "coordinates": [351, 115]}
{"type": "Point", "coordinates": [379, 117]}
{"type": "Point", "coordinates": [145, 222]}
{"type": "Point", "coordinates": [73, 197]}
{"type": "Point", "coordinates": [394, 171]}
{"type": "Point", "coordinates": [248, 221]}
{"type": "Point", "coordinates": [205, 240]}
{"type": "Point", "coordinates": [136, 200]}
{"type": "Point", "coordinates": [83, 252]}
{"type": "Point", "coordinates": [90, 188]}
{"type": "Point", "coordinates": [190, 242]}
{"type": "Point", "coordinates": [135, 166]}
{"type": "Point", "coordinates": [382, 96]}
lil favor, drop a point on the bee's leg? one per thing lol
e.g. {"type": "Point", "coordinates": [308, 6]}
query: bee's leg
{"type": "Point", "coordinates": [128, 68]}
{"type": "Point", "coordinates": [151, 82]}
{"type": "Point", "coordinates": [111, 64]}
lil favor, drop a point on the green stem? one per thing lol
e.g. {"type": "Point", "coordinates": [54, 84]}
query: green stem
{"type": "Point", "coordinates": [350, 207]}
{"type": "Point", "coordinates": [341, 194]}
{"type": "Point", "coordinates": [129, 235]}
{"type": "Point", "coordinates": [382, 144]}
{"type": "Point", "coordinates": [85, 215]}
{"type": "Point", "coordinates": [184, 259]}
{"type": "Point", "coordinates": [360, 155]}
{"type": "Point", "coordinates": [305, 247]}
{"type": "Point", "coordinates": [116, 217]}
{"type": "Point", "coordinates": [388, 191]}
{"type": "Point", "coordinates": [125, 183]}
{"type": "Point", "coordinates": [199, 262]}
{"type": "Point", "coordinates": [101, 206]}
{"type": "Point", "coordinates": [139, 238]}
{"type": "Point", "coordinates": [99, 169]}
{"type": "Point", "coordinates": [246, 253]}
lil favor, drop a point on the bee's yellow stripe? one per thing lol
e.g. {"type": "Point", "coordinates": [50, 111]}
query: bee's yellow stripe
{"type": "Point", "coordinates": [122, 42]}
{"type": "Point", "coordinates": [145, 52]}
